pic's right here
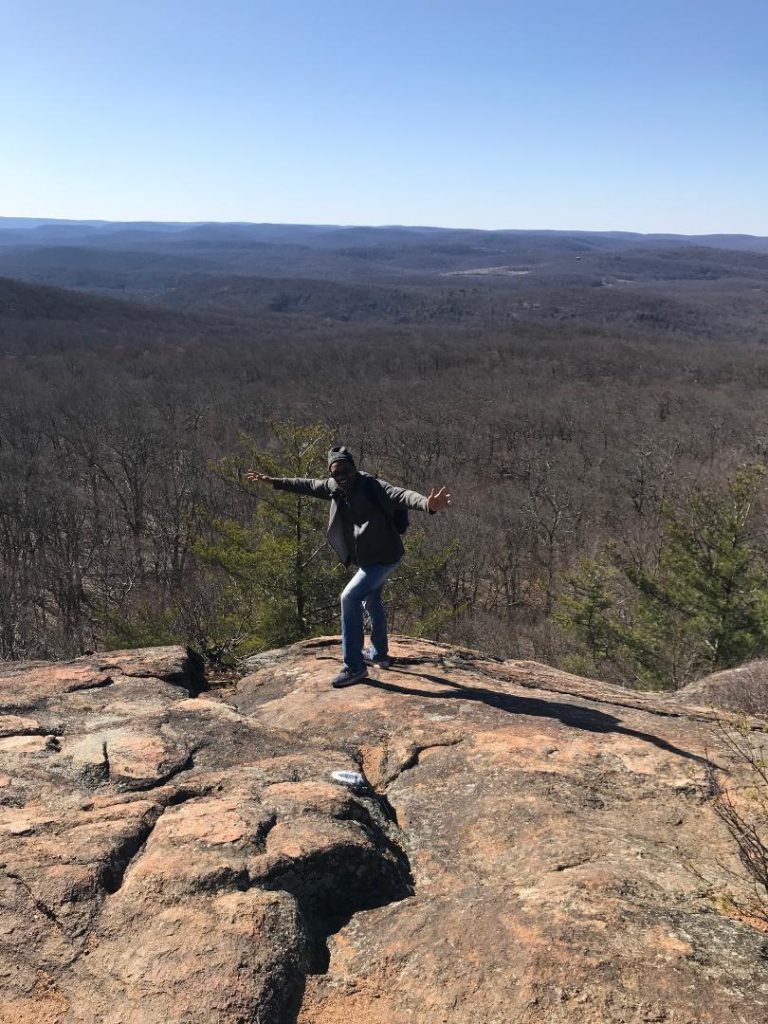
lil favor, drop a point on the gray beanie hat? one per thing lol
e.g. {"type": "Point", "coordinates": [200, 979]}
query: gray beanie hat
{"type": "Point", "coordinates": [339, 454]}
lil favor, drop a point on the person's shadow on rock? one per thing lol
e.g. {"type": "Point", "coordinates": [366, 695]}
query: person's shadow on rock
{"type": "Point", "coordinates": [574, 715]}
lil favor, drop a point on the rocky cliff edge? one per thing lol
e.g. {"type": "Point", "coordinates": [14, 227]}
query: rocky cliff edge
{"type": "Point", "coordinates": [526, 846]}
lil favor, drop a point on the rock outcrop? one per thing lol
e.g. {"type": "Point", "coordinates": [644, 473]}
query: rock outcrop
{"type": "Point", "coordinates": [742, 690]}
{"type": "Point", "coordinates": [526, 846]}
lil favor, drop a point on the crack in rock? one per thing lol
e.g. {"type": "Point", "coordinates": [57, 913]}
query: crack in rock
{"type": "Point", "coordinates": [259, 837]}
{"type": "Point", "coordinates": [127, 854]}
{"type": "Point", "coordinates": [189, 676]}
{"type": "Point", "coordinates": [413, 760]}
{"type": "Point", "coordinates": [331, 885]}
{"type": "Point", "coordinates": [100, 684]}
{"type": "Point", "coordinates": [185, 766]}
{"type": "Point", "coordinates": [38, 904]}
{"type": "Point", "coordinates": [128, 785]}
{"type": "Point", "coordinates": [120, 859]}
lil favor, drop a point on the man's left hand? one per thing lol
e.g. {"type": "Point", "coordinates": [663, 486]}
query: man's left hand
{"type": "Point", "coordinates": [437, 501]}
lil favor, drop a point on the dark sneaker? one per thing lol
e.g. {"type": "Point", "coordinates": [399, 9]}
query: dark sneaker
{"type": "Point", "coordinates": [383, 661]}
{"type": "Point", "coordinates": [347, 678]}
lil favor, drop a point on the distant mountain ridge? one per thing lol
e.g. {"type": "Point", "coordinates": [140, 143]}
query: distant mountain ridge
{"type": "Point", "coordinates": [24, 231]}
{"type": "Point", "coordinates": [702, 286]}
{"type": "Point", "coordinates": [147, 261]}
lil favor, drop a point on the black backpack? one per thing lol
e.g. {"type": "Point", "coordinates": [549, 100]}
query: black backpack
{"type": "Point", "coordinates": [398, 515]}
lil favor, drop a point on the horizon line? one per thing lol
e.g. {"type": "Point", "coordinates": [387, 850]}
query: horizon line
{"type": "Point", "coordinates": [101, 222]}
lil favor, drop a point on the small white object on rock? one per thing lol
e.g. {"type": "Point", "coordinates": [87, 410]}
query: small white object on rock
{"type": "Point", "coordinates": [353, 779]}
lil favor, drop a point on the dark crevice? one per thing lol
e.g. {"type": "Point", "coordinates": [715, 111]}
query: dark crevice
{"type": "Point", "coordinates": [332, 885]}
{"type": "Point", "coordinates": [380, 814]}
{"type": "Point", "coordinates": [294, 998]}
{"type": "Point", "coordinates": [380, 828]}
{"type": "Point", "coordinates": [191, 677]}
{"type": "Point", "coordinates": [90, 685]}
{"type": "Point", "coordinates": [259, 837]}
{"type": "Point", "coordinates": [282, 1000]}
{"type": "Point", "coordinates": [388, 809]}
{"type": "Point", "coordinates": [114, 870]}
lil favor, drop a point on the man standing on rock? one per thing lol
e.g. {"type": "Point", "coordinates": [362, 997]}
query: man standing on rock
{"type": "Point", "coordinates": [366, 519]}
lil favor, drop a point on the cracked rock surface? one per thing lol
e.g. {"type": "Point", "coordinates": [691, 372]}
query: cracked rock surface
{"type": "Point", "coordinates": [529, 847]}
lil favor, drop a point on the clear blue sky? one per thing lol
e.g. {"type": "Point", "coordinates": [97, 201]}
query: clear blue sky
{"type": "Point", "coordinates": [644, 115]}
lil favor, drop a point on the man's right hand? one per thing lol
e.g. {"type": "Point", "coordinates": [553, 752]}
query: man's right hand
{"type": "Point", "coordinates": [254, 477]}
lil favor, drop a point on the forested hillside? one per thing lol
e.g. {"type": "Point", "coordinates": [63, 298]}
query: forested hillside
{"type": "Point", "coordinates": [597, 406]}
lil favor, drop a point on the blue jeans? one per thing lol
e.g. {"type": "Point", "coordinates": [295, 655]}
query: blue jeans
{"type": "Point", "coordinates": [364, 591]}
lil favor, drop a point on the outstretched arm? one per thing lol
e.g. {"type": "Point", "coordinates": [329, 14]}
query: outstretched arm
{"type": "Point", "coordinates": [299, 485]}
{"type": "Point", "coordinates": [436, 501]}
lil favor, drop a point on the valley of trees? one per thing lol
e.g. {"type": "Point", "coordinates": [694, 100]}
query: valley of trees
{"type": "Point", "coordinates": [605, 446]}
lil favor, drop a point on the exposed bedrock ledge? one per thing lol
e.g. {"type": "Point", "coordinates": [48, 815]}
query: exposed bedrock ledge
{"type": "Point", "coordinates": [25, 686]}
{"type": "Point", "coordinates": [172, 854]}
{"type": "Point", "coordinates": [566, 860]}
